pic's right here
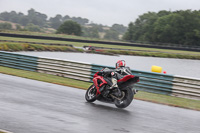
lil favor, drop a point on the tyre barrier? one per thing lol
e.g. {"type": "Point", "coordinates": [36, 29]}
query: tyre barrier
{"type": "Point", "coordinates": [165, 84]}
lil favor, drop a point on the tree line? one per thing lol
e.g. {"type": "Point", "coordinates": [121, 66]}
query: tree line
{"type": "Point", "coordinates": [39, 19]}
{"type": "Point", "coordinates": [178, 27]}
{"type": "Point", "coordinates": [35, 21]}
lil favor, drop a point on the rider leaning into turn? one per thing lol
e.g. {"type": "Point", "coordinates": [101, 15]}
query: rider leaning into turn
{"type": "Point", "coordinates": [112, 76]}
{"type": "Point", "coordinates": [120, 71]}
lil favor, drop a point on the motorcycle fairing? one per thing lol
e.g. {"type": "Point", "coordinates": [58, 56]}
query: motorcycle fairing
{"type": "Point", "coordinates": [125, 78]}
{"type": "Point", "coordinates": [95, 80]}
{"type": "Point", "coordinates": [128, 80]}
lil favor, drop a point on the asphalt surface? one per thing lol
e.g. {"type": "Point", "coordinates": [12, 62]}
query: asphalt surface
{"type": "Point", "coordinates": [29, 106]}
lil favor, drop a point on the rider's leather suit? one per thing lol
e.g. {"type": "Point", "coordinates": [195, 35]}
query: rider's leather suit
{"type": "Point", "coordinates": [111, 76]}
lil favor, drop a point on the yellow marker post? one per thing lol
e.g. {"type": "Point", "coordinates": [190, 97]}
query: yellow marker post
{"type": "Point", "coordinates": [156, 69]}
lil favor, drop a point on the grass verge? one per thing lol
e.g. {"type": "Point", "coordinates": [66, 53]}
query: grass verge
{"type": "Point", "coordinates": [4, 131]}
{"type": "Point", "coordinates": [154, 54]}
{"type": "Point", "coordinates": [79, 44]}
{"type": "Point", "coordinates": [156, 98]}
{"type": "Point", "coordinates": [11, 46]}
{"type": "Point", "coordinates": [8, 46]}
{"type": "Point", "coordinates": [48, 34]}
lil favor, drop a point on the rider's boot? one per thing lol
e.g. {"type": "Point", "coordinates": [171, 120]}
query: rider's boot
{"type": "Point", "coordinates": [115, 88]}
{"type": "Point", "coordinates": [114, 83]}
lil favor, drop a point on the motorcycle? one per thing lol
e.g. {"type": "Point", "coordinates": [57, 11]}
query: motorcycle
{"type": "Point", "coordinates": [102, 90]}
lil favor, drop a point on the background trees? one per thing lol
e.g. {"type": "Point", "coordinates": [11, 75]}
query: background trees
{"type": "Point", "coordinates": [70, 28]}
{"type": "Point", "coordinates": [112, 35]}
{"type": "Point", "coordinates": [56, 21]}
{"type": "Point", "coordinates": [39, 19]}
{"type": "Point", "coordinates": [92, 32]}
{"type": "Point", "coordinates": [32, 27]}
{"type": "Point", "coordinates": [179, 27]}
{"type": "Point", "coordinates": [128, 36]}
{"type": "Point", "coordinates": [5, 26]}
{"type": "Point", "coordinates": [36, 21]}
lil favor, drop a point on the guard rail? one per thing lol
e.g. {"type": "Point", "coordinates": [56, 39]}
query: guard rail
{"type": "Point", "coordinates": [172, 85]}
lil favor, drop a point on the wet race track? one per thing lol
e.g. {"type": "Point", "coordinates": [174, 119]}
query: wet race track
{"type": "Point", "coordinates": [28, 106]}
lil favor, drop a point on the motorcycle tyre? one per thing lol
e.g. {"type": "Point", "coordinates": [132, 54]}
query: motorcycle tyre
{"type": "Point", "coordinates": [87, 97]}
{"type": "Point", "coordinates": [126, 100]}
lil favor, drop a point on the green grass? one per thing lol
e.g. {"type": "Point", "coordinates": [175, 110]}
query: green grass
{"type": "Point", "coordinates": [78, 44]}
{"type": "Point", "coordinates": [2, 132]}
{"type": "Point", "coordinates": [137, 51]}
{"type": "Point", "coordinates": [157, 98]}
{"type": "Point", "coordinates": [9, 46]}
{"type": "Point", "coordinates": [84, 38]}
{"type": "Point", "coordinates": [47, 34]}
{"type": "Point", "coordinates": [154, 54]}
{"type": "Point", "coordinates": [169, 100]}
{"type": "Point", "coordinates": [45, 77]}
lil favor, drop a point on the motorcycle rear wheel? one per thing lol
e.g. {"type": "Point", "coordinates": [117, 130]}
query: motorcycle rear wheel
{"type": "Point", "coordinates": [126, 100]}
{"type": "Point", "coordinates": [90, 94]}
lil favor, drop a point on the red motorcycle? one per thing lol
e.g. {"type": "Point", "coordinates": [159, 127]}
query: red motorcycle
{"type": "Point", "coordinates": [101, 89]}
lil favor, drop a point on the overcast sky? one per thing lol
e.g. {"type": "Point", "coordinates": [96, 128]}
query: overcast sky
{"type": "Point", "coordinates": [106, 12]}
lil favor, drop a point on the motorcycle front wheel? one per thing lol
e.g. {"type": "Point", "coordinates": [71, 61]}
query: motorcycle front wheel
{"type": "Point", "coordinates": [126, 100]}
{"type": "Point", "coordinates": [90, 94]}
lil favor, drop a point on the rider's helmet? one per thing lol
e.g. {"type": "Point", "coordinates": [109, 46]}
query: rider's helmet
{"type": "Point", "coordinates": [120, 63]}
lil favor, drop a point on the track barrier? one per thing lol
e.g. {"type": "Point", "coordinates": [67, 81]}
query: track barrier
{"type": "Point", "coordinates": [165, 84]}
